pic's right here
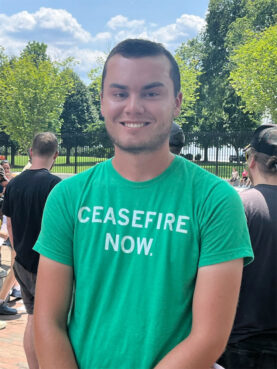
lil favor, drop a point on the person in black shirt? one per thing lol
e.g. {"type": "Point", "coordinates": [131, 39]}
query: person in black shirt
{"type": "Point", "coordinates": [253, 341]}
{"type": "Point", "coordinates": [24, 202]}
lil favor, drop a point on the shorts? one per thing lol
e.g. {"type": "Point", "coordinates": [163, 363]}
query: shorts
{"type": "Point", "coordinates": [27, 281]}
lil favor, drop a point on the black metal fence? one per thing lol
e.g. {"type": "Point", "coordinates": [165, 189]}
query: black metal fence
{"type": "Point", "coordinates": [217, 152]}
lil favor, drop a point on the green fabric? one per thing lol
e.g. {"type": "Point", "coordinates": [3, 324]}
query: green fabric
{"type": "Point", "coordinates": [135, 248]}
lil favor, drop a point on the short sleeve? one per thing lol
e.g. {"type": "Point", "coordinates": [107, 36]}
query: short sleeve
{"type": "Point", "coordinates": [224, 231]}
{"type": "Point", "coordinates": [55, 240]}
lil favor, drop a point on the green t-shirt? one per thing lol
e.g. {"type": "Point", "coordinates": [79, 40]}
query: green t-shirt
{"type": "Point", "coordinates": [135, 248]}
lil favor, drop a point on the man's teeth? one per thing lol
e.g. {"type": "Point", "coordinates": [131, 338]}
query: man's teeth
{"type": "Point", "coordinates": [134, 125]}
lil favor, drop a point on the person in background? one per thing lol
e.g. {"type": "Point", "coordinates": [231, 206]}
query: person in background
{"type": "Point", "coordinates": [235, 178]}
{"type": "Point", "coordinates": [153, 244]}
{"type": "Point", "coordinates": [10, 283]}
{"type": "Point", "coordinates": [24, 201]}
{"type": "Point", "coordinates": [6, 165]}
{"type": "Point", "coordinates": [253, 341]}
{"type": "Point", "coordinates": [29, 164]}
{"type": "Point", "coordinates": [176, 139]}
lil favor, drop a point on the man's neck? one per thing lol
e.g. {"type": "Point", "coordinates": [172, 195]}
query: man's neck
{"type": "Point", "coordinates": [266, 182]}
{"type": "Point", "coordinates": [269, 180]}
{"type": "Point", "coordinates": [141, 167]}
{"type": "Point", "coordinates": [41, 163]}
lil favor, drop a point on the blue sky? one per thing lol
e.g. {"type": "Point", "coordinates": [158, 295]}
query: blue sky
{"type": "Point", "coordinates": [87, 29]}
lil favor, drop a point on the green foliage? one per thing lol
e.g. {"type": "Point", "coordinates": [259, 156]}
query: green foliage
{"type": "Point", "coordinates": [78, 113]}
{"type": "Point", "coordinates": [257, 15]}
{"type": "Point", "coordinates": [32, 96]}
{"type": "Point", "coordinates": [189, 84]}
{"type": "Point", "coordinates": [254, 75]}
{"type": "Point", "coordinates": [95, 75]}
{"type": "Point", "coordinates": [37, 51]}
{"type": "Point", "coordinates": [218, 107]}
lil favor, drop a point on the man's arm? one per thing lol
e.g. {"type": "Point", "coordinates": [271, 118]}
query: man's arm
{"type": "Point", "coordinates": [214, 306]}
{"type": "Point", "coordinates": [10, 230]}
{"type": "Point", "coordinates": [52, 303]}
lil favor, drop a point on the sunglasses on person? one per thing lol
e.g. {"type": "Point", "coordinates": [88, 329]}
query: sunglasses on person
{"type": "Point", "coordinates": [246, 152]}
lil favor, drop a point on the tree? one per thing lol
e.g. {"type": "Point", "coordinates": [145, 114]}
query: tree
{"type": "Point", "coordinates": [100, 137]}
{"type": "Point", "coordinates": [95, 86]}
{"type": "Point", "coordinates": [189, 84]}
{"type": "Point", "coordinates": [254, 74]}
{"type": "Point", "coordinates": [37, 51]}
{"type": "Point", "coordinates": [218, 108]}
{"type": "Point", "coordinates": [32, 96]}
{"type": "Point", "coordinates": [257, 15]}
{"type": "Point", "coordinates": [77, 115]}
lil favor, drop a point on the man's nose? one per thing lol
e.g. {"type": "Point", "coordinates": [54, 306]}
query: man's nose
{"type": "Point", "coordinates": [134, 105]}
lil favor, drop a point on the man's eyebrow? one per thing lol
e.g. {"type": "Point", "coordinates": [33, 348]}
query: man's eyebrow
{"type": "Point", "coordinates": [153, 85]}
{"type": "Point", "coordinates": [117, 85]}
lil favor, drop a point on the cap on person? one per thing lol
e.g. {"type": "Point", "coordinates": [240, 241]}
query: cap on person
{"type": "Point", "coordinates": [176, 138]}
{"type": "Point", "coordinates": [264, 140]}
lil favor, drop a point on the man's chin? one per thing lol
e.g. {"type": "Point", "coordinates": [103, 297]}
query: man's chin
{"type": "Point", "coordinates": [135, 150]}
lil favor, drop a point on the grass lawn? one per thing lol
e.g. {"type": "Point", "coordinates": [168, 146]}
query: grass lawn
{"type": "Point", "coordinates": [223, 169]}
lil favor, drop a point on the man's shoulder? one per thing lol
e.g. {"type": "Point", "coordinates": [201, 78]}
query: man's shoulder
{"type": "Point", "coordinates": [55, 178]}
{"type": "Point", "coordinates": [201, 177]}
{"type": "Point", "coordinates": [32, 178]}
{"type": "Point", "coordinates": [87, 175]}
{"type": "Point", "coordinates": [259, 194]}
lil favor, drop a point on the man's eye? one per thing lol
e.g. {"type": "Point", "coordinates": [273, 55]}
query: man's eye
{"type": "Point", "coordinates": [119, 95]}
{"type": "Point", "coordinates": [151, 94]}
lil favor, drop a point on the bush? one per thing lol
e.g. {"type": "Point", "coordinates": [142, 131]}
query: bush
{"type": "Point", "coordinates": [197, 157]}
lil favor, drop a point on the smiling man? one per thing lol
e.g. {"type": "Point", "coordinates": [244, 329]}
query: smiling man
{"type": "Point", "coordinates": [156, 277]}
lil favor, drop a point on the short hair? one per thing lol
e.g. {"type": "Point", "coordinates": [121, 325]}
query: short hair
{"type": "Point", "coordinates": [176, 139]}
{"type": "Point", "coordinates": [267, 164]}
{"type": "Point", "coordinates": [139, 48]}
{"type": "Point", "coordinates": [45, 144]}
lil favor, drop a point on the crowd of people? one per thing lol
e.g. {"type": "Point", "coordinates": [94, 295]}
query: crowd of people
{"type": "Point", "coordinates": [149, 254]}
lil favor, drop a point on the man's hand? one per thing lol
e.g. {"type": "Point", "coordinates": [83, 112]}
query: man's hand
{"type": "Point", "coordinates": [214, 306]}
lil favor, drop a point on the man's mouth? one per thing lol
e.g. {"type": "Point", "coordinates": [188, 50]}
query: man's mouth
{"type": "Point", "coordinates": [134, 124]}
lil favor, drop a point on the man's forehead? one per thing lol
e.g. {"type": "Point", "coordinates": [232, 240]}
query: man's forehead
{"type": "Point", "coordinates": [144, 70]}
{"type": "Point", "coordinates": [118, 59]}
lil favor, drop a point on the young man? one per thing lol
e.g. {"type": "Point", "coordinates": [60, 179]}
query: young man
{"type": "Point", "coordinates": [142, 263]}
{"type": "Point", "coordinates": [24, 202]}
{"type": "Point", "coordinates": [253, 342]}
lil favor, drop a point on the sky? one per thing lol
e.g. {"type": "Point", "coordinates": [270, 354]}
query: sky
{"type": "Point", "coordinates": [88, 29]}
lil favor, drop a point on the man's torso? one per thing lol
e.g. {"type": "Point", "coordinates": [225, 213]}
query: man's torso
{"type": "Point", "coordinates": [24, 202]}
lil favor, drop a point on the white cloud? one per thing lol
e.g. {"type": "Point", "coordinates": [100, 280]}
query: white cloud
{"type": "Point", "coordinates": [119, 21]}
{"type": "Point", "coordinates": [66, 37]}
{"type": "Point", "coordinates": [184, 27]}
{"type": "Point", "coordinates": [189, 21]}
{"type": "Point", "coordinates": [86, 58]}
{"type": "Point", "coordinates": [102, 36]}
{"type": "Point", "coordinates": [169, 33]}
{"type": "Point", "coordinates": [44, 19]}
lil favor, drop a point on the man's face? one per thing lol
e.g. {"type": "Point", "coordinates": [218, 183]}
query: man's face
{"type": "Point", "coordinates": [138, 102]}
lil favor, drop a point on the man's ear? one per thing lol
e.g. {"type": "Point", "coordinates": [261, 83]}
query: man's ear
{"type": "Point", "coordinates": [56, 154]}
{"type": "Point", "coordinates": [252, 162]}
{"type": "Point", "coordinates": [178, 104]}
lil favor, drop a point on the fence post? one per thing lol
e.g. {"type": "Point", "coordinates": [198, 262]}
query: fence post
{"type": "Point", "coordinates": [216, 160]}
{"type": "Point", "coordinates": [76, 156]}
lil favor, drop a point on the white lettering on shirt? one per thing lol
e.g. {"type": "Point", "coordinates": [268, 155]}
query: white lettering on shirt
{"type": "Point", "coordinates": [80, 214]}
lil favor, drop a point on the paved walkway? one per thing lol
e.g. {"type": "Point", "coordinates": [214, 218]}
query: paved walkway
{"type": "Point", "coordinates": [12, 354]}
